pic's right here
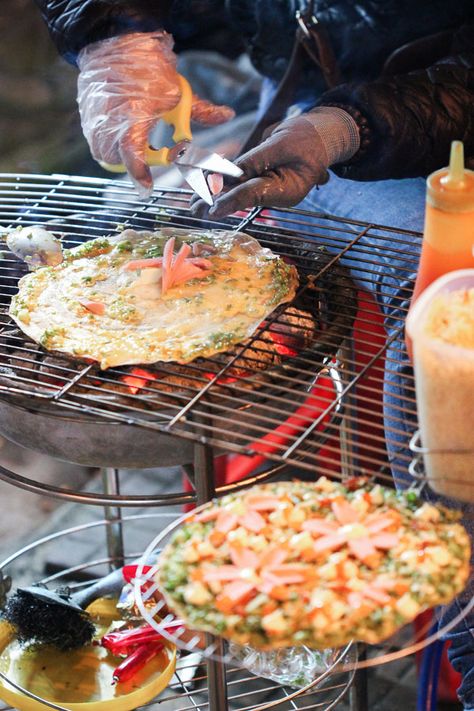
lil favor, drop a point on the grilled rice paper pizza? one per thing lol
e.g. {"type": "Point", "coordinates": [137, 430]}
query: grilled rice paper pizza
{"type": "Point", "coordinates": [143, 297]}
{"type": "Point", "coordinates": [317, 564]}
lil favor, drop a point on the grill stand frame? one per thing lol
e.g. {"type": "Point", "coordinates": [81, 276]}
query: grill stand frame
{"type": "Point", "coordinates": [203, 477]}
{"type": "Point", "coordinates": [204, 482]}
{"type": "Point", "coordinates": [92, 191]}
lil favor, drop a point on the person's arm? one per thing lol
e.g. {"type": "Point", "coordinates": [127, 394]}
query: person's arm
{"type": "Point", "coordinates": [125, 85]}
{"type": "Point", "coordinates": [392, 128]}
{"type": "Point", "coordinates": [293, 159]}
{"type": "Point", "coordinates": [73, 24]}
{"type": "Point", "coordinates": [407, 122]}
{"type": "Point", "coordinates": [128, 76]}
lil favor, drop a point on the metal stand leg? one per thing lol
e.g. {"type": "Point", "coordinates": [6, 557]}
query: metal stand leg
{"type": "Point", "coordinates": [358, 698]}
{"type": "Point", "coordinates": [347, 431]}
{"type": "Point", "coordinates": [205, 490]}
{"type": "Point", "coordinates": [113, 514]}
{"type": "Point", "coordinates": [348, 446]}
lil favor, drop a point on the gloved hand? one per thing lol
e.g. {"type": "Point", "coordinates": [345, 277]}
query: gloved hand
{"type": "Point", "coordinates": [281, 171]}
{"type": "Point", "coordinates": [125, 84]}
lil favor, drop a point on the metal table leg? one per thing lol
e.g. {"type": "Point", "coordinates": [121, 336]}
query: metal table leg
{"type": "Point", "coordinates": [347, 430]}
{"type": "Point", "coordinates": [205, 490]}
{"type": "Point", "coordinates": [358, 696]}
{"type": "Point", "coordinates": [113, 514]}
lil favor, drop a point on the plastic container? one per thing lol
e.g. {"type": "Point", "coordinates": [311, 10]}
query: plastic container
{"type": "Point", "coordinates": [444, 378]}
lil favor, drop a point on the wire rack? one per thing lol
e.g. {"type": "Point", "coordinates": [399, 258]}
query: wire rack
{"type": "Point", "coordinates": [154, 611]}
{"type": "Point", "coordinates": [203, 411]}
{"type": "Point", "coordinates": [188, 689]}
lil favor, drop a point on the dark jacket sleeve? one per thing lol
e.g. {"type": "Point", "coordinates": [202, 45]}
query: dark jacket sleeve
{"type": "Point", "coordinates": [407, 122]}
{"type": "Point", "coordinates": [194, 24]}
{"type": "Point", "coordinates": [75, 23]}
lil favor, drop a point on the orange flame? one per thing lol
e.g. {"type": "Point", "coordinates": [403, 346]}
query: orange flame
{"type": "Point", "coordinates": [138, 379]}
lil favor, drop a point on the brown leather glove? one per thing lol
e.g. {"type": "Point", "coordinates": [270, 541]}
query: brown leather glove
{"type": "Point", "coordinates": [281, 171]}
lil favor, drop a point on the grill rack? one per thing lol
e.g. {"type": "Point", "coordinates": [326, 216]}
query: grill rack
{"type": "Point", "coordinates": [82, 207]}
{"type": "Point", "coordinates": [190, 685]}
{"type": "Point", "coordinates": [157, 616]}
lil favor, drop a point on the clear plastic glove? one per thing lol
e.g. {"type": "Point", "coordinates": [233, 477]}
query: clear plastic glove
{"type": "Point", "coordinates": [281, 171]}
{"type": "Point", "coordinates": [125, 84]}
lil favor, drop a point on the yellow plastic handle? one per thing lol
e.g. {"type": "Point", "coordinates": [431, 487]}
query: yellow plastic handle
{"type": "Point", "coordinates": [179, 117]}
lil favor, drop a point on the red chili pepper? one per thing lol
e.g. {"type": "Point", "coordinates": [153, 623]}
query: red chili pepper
{"type": "Point", "coordinates": [125, 645]}
{"type": "Point", "coordinates": [127, 637]}
{"type": "Point", "coordinates": [123, 642]}
{"type": "Point", "coordinates": [134, 662]}
{"type": "Point", "coordinates": [129, 572]}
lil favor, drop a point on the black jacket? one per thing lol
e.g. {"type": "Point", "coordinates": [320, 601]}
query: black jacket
{"type": "Point", "coordinates": [408, 112]}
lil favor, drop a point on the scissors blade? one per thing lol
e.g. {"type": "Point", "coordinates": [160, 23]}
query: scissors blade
{"type": "Point", "coordinates": [197, 181]}
{"type": "Point", "coordinates": [188, 155]}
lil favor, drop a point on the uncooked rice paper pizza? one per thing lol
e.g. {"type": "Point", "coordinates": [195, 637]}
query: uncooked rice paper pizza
{"type": "Point", "coordinates": [317, 564]}
{"type": "Point", "coordinates": [143, 297]}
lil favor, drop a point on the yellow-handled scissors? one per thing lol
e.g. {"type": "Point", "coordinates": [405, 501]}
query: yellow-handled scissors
{"type": "Point", "coordinates": [192, 161]}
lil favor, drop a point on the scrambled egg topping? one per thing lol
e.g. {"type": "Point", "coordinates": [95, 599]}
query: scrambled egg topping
{"type": "Point", "coordinates": [92, 306]}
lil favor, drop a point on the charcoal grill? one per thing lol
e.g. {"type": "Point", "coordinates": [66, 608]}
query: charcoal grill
{"type": "Point", "coordinates": [77, 406]}
{"type": "Point", "coordinates": [345, 436]}
{"type": "Point", "coordinates": [73, 411]}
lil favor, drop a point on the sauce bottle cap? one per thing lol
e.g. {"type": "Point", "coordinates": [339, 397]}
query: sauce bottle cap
{"type": "Point", "coordinates": [452, 189]}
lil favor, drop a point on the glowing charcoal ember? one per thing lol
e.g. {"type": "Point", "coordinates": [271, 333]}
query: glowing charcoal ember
{"type": "Point", "coordinates": [138, 379]}
{"type": "Point", "coordinates": [280, 345]}
{"type": "Point", "coordinates": [226, 380]}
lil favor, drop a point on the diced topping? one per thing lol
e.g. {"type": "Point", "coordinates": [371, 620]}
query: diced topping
{"type": "Point", "coordinates": [427, 512]}
{"type": "Point", "coordinates": [197, 594]}
{"type": "Point", "coordinates": [275, 623]}
{"type": "Point", "coordinates": [318, 564]}
{"type": "Point", "coordinates": [407, 606]}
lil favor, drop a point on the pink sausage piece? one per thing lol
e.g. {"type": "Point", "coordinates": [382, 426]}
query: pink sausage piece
{"type": "Point", "coordinates": [215, 182]}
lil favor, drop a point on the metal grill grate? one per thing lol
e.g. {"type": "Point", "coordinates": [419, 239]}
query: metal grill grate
{"type": "Point", "coordinates": [204, 410]}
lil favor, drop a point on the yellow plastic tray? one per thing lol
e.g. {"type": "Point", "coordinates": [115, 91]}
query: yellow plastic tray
{"type": "Point", "coordinates": [79, 680]}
